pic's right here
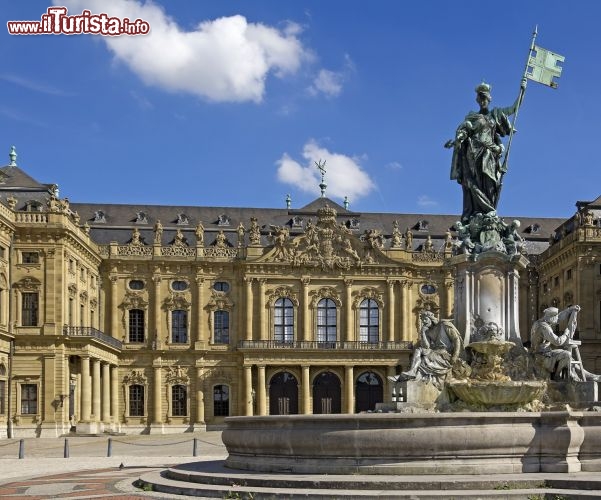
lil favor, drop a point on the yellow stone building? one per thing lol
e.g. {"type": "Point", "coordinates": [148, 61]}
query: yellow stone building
{"type": "Point", "coordinates": [164, 319]}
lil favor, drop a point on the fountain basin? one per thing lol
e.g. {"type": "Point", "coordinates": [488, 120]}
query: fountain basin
{"type": "Point", "coordinates": [495, 393]}
{"type": "Point", "coordinates": [414, 443]}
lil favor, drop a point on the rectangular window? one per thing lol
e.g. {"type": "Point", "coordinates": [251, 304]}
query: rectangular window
{"type": "Point", "coordinates": [221, 401]}
{"type": "Point", "coordinates": [2, 252]}
{"type": "Point", "coordinates": [136, 400]}
{"type": "Point", "coordinates": [179, 401]}
{"type": "Point", "coordinates": [179, 327]}
{"type": "Point", "coordinates": [136, 325]}
{"type": "Point", "coordinates": [29, 399]}
{"type": "Point", "coordinates": [30, 258]}
{"type": "Point", "coordinates": [222, 327]}
{"type": "Point", "coordinates": [556, 281]}
{"type": "Point", "coordinates": [569, 274]}
{"type": "Point", "coordinates": [2, 397]}
{"type": "Point", "coordinates": [29, 309]}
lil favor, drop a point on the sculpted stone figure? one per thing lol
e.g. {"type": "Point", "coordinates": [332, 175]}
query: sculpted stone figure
{"type": "Point", "coordinates": [550, 350]}
{"type": "Point", "coordinates": [438, 353]}
{"type": "Point", "coordinates": [254, 233]}
{"type": "Point", "coordinates": [553, 353]}
{"type": "Point", "coordinates": [158, 232]}
{"type": "Point", "coordinates": [200, 234]}
{"type": "Point", "coordinates": [476, 163]}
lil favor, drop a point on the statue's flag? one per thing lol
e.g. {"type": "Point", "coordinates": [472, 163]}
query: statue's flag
{"type": "Point", "coordinates": [543, 66]}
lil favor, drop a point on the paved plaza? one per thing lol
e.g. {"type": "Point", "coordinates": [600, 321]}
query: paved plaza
{"type": "Point", "coordinates": [44, 473]}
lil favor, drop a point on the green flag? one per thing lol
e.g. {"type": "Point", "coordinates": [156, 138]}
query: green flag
{"type": "Point", "coordinates": [543, 66]}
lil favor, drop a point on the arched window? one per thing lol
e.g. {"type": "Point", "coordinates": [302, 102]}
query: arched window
{"type": "Point", "coordinates": [221, 334]}
{"type": "Point", "coordinates": [369, 391]}
{"type": "Point", "coordinates": [179, 401]}
{"type": "Point", "coordinates": [283, 320]}
{"type": "Point", "coordinates": [179, 326]}
{"type": "Point", "coordinates": [221, 401]}
{"type": "Point", "coordinates": [326, 321]}
{"type": "Point", "coordinates": [369, 321]}
{"type": "Point", "coordinates": [136, 325]}
{"type": "Point", "coordinates": [136, 400]}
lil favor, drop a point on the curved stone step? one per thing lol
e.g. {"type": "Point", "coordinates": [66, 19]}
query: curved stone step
{"type": "Point", "coordinates": [211, 479]}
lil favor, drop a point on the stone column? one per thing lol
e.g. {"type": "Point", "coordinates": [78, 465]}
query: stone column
{"type": "Point", "coordinates": [263, 330]}
{"type": "Point", "coordinates": [306, 390]}
{"type": "Point", "coordinates": [115, 394]}
{"type": "Point", "coordinates": [306, 336]}
{"type": "Point", "coordinates": [86, 390]}
{"type": "Point", "coordinates": [200, 317]}
{"type": "Point", "coordinates": [248, 334]}
{"type": "Point", "coordinates": [200, 400]}
{"type": "Point", "coordinates": [157, 389]}
{"type": "Point", "coordinates": [350, 325]}
{"type": "Point", "coordinates": [106, 393]}
{"type": "Point", "coordinates": [390, 337]}
{"type": "Point", "coordinates": [158, 338]}
{"type": "Point", "coordinates": [248, 391]}
{"type": "Point", "coordinates": [261, 397]}
{"type": "Point", "coordinates": [406, 310]}
{"type": "Point", "coordinates": [96, 389]}
{"type": "Point", "coordinates": [114, 309]}
{"type": "Point", "coordinates": [448, 303]}
{"type": "Point", "coordinates": [350, 389]}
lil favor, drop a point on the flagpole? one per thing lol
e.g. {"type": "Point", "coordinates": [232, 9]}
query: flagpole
{"type": "Point", "coordinates": [519, 101]}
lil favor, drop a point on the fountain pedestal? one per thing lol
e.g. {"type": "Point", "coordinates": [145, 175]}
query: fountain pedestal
{"type": "Point", "coordinates": [487, 291]}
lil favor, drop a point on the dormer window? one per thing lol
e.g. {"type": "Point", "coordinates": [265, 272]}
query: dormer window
{"type": "Point", "coordinates": [141, 218]}
{"type": "Point", "coordinates": [182, 220]}
{"type": "Point", "coordinates": [422, 225]}
{"type": "Point", "coordinates": [223, 220]}
{"type": "Point", "coordinates": [99, 217]}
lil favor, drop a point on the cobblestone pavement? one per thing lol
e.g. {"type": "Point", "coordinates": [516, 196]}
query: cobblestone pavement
{"type": "Point", "coordinates": [87, 473]}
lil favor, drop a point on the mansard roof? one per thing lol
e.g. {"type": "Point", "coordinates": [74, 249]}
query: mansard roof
{"type": "Point", "coordinates": [114, 222]}
{"type": "Point", "coordinates": [14, 179]}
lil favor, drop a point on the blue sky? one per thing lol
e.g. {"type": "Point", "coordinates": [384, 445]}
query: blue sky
{"type": "Point", "coordinates": [228, 103]}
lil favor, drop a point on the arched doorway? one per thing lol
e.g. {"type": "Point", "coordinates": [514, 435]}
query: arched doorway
{"type": "Point", "coordinates": [368, 391]}
{"type": "Point", "coordinates": [283, 394]}
{"type": "Point", "coordinates": [326, 393]}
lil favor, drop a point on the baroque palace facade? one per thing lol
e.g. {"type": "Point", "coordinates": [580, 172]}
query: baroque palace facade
{"type": "Point", "coordinates": [164, 319]}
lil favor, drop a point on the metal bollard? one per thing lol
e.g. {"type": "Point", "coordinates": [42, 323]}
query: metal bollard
{"type": "Point", "coordinates": [195, 448]}
{"type": "Point", "coordinates": [21, 448]}
{"type": "Point", "coordinates": [109, 449]}
{"type": "Point", "coordinates": [66, 449]}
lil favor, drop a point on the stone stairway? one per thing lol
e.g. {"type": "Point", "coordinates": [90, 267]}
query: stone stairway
{"type": "Point", "coordinates": [212, 479]}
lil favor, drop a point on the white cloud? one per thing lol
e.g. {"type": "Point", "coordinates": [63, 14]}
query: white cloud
{"type": "Point", "coordinates": [34, 85]}
{"type": "Point", "coordinates": [426, 201]}
{"type": "Point", "coordinates": [344, 176]}
{"type": "Point", "coordinates": [327, 82]}
{"type": "Point", "coordinates": [225, 59]}
{"type": "Point", "coordinates": [394, 165]}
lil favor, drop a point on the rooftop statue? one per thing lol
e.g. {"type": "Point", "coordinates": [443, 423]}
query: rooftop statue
{"type": "Point", "coordinates": [477, 151]}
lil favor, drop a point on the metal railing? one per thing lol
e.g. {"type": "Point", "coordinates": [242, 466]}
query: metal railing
{"type": "Point", "coordinates": [315, 345]}
{"type": "Point", "coordinates": [88, 331]}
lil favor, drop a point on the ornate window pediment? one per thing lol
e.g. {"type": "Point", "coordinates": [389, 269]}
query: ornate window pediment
{"type": "Point", "coordinates": [219, 301]}
{"type": "Point", "coordinates": [282, 292]}
{"type": "Point", "coordinates": [135, 377]}
{"type": "Point", "coordinates": [369, 292]}
{"type": "Point", "coordinates": [177, 375]}
{"type": "Point", "coordinates": [176, 300]}
{"type": "Point", "coordinates": [133, 300]}
{"type": "Point", "coordinates": [28, 283]}
{"type": "Point", "coordinates": [325, 292]}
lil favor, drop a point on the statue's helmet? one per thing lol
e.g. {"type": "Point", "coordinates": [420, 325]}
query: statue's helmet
{"type": "Point", "coordinates": [484, 90]}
